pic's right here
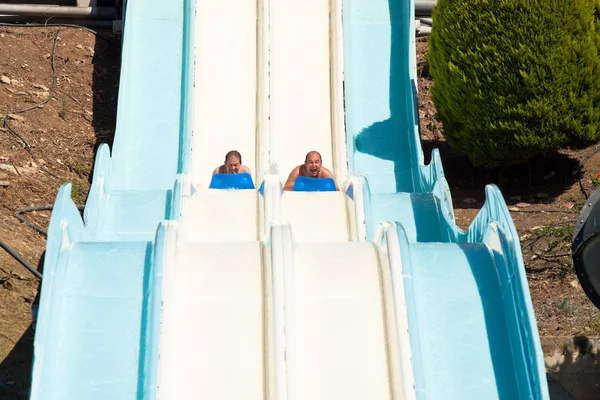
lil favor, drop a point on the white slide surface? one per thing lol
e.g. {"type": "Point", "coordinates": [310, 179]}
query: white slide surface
{"type": "Point", "coordinates": [212, 335]}
{"type": "Point", "coordinates": [225, 93]}
{"type": "Point", "coordinates": [300, 82]}
{"type": "Point", "coordinates": [301, 310]}
{"type": "Point", "coordinates": [339, 337]}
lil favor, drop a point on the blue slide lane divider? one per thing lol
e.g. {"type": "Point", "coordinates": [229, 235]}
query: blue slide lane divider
{"type": "Point", "coordinates": [100, 283]}
{"type": "Point", "coordinates": [471, 322]}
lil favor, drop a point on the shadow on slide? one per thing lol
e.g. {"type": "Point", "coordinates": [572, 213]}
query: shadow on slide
{"type": "Point", "coordinates": [390, 139]}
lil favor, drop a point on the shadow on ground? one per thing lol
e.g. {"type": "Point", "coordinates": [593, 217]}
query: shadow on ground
{"type": "Point", "coordinates": [544, 179]}
{"type": "Point", "coordinates": [105, 88]}
{"type": "Point", "coordinates": [573, 363]}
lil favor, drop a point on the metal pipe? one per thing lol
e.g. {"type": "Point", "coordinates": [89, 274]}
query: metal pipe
{"type": "Point", "coordinates": [39, 21]}
{"type": "Point", "coordinates": [424, 31]}
{"type": "Point", "coordinates": [424, 8]}
{"type": "Point", "coordinates": [38, 10]}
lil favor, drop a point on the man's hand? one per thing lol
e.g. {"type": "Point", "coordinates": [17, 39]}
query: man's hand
{"type": "Point", "coordinates": [289, 184]}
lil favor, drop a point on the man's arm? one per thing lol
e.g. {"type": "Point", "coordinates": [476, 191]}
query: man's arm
{"type": "Point", "coordinates": [328, 174]}
{"type": "Point", "coordinates": [289, 184]}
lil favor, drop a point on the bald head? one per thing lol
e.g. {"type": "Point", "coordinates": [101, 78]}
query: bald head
{"type": "Point", "coordinates": [313, 155]}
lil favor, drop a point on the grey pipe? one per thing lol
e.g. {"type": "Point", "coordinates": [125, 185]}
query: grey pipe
{"type": "Point", "coordinates": [424, 31]}
{"type": "Point", "coordinates": [35, 10]}
{"type": "Point", "coordinates": [38, 21]}
{"type": "Point", "coordinates": [424, 8]}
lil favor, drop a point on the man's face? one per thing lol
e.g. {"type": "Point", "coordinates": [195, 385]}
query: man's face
{"type": "Point", "coordinates": [233, 165]}
{"type": "Point", "coordinates": [313, 165]}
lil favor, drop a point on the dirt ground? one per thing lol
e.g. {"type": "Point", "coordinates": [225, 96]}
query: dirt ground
{"type": "Point", "coordinates": [55, 142]}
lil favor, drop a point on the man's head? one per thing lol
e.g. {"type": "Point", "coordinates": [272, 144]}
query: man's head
{"type": "Point", "coordinates": [312, 163]}
{"type": "Point", "coordinates": [233, 162]}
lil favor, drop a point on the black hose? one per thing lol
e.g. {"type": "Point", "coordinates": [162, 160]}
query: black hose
{"type": "Point", "coordinates": [38, 208]}
{"type": "Point", "coordinates": [31, 224]}
{"type": "Point", "coordinates": [18, 214]}
{"type": "Point", "coordinates": [17, 257]}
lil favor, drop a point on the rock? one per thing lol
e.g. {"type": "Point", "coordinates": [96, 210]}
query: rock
{"type": "Point", "coordinates": [513, 209]}
{"type": "Point", "coordinates": [5, 79]}
{"type": "Point", "coordinates": [541, 195]}
{"type": "Point", "coordinates": [42, 87]}
{"type": "Point", "coordinates": [568, 206]}
{"type": "Point", "coordinates": [79, 47]}
{"type": "Point", "coordinates": [7, 168]}
{"type": "Point", "coordinates": [15, 82]}
{"type": "Point", "coordinates": [469, 200]}
{"type": "Point", "coordinates": [4, 159]}
{"type": "Point", "coordinates": [42, 95]}
{"type": "Point", "coordinates": [523, 205]}
{"type": "Point", "coordinates": [16, 117]}
{"type": "Point", "coordinates": [4, 183]}
{"type": "Point", "coordinates": [574, 283]}
{"type": "Point", "coordinates": [47, 55]}
{"type": "Point", "coordinates": [516, 198]}
{"type": "Point", "coordinates": [10, 383]}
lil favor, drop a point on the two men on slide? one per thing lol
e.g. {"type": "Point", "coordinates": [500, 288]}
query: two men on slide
{"type": "Point", "coordinates": [311, 168]}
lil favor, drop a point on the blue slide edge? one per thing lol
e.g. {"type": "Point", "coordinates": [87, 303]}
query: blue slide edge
{"type": "Point", "coordinates": [378, 36]}
{"type": "Point", "coordinates": [67, 226]}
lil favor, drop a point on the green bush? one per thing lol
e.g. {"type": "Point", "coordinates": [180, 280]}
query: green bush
{"type": "Point", "coordinates": [515, 78]}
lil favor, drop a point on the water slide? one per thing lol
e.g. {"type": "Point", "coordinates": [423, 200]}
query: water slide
{"type": "Point", "coordinates": [90, 333]}
{"type": "Point", "coordinates": [171, 288]}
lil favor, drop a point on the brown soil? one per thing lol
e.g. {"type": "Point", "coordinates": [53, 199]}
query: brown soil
{"type": "Point", "coordinates": [58, 143]}
{"type": "Point", "coordinates": [63, 134]}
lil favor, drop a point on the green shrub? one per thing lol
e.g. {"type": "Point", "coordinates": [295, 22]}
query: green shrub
{"type": "Point", "coordinates": [515, 78]}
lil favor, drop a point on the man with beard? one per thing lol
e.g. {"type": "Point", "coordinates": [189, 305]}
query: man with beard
{"type": "Point", "coordinates": [312, 168]}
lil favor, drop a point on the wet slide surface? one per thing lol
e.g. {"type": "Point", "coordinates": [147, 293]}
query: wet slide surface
{"type": "Point", "coordinates": [300, 105]}
{"type": "Point", "coordinates": [461, 320]}
{"type": "Point", "coordinates": [225, 89]}
{"type": "Point", "coordinates": [211, 337]}
{"type": "Point", "coordinates": [222, 330]}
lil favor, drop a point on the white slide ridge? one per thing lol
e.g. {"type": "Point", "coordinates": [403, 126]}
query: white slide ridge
{"type": "Point", "coordinates": [277, 295]}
